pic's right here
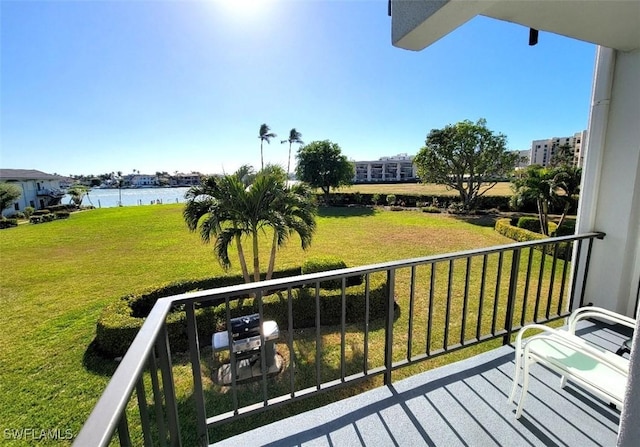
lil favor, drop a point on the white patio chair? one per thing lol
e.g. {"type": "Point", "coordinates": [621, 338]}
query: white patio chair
{"type": "Point", "coordinates": [594, 368]}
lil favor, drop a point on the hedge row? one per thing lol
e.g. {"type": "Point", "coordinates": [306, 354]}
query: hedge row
{"type": "Point", "coordinates": [413, 200]}
{"type": "Point", "coordinates": [120, 321]}
{"type": "Point", "coordinates": [8, 223]}
{"type": "Point", "coordinates": [506, 228]}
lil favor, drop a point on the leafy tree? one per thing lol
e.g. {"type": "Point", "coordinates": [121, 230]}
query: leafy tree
{"type": "Point", "coordinates": [8, 195]}
{"type": "Point", "coordinates": [466, 157]}
{"type": "Point", "coordinates": [77, 193]}
{"type": "Point", "coordinates": [294, 137]}
{"type": "Point", "coordinates": [322, 165]}
{"type": "Point", "coordinates": [264, 134]}
{"type": "Point", "coordinates": [228, 211]}
{"type": "Point", "coordinates": [536, 183]}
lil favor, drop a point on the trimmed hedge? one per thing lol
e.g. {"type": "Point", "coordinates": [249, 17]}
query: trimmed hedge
{"type": "Point", "coordinates": [8, 223]}
{"type": "Point", "coordinates": [325, 264]}
{"type": "Point", "coordinates": [533, 224]}
{"type": "Point", "coordinates": [120, 321]}
{"type": "Point", "coordinates": [505, 227]}
{"type": "Point", "coordinates": [414, 200]}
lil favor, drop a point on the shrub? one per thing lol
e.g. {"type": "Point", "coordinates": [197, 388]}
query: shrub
{"type": "Point", "coordinates": [40, 212]}
{"type": "Point", "coordinates": [8, 223]}
{"type": "Point", "coordinates": [430, 209]}
{"type": "Point", "coordinates": [391, 199]}
{"type": "Point", "coordinates": [28, 211]}
{"type": "Point", "coordinates": [533, 224]}
{"type": "Point", "coordinates": [48, 217]}
{"type": "Point", "coordinates": [568, 228]}
{"type": "Point", "coordinates": [120, 321]}
{"type": "Point", "coordinates": [504, 227]}
{"type": "Point", "coordinates": [35, 219]}
{"type": "Point", "coordinates": [327, 263]}
{"type": "Point", "coordinates": [62, 214]}
{"type": "Point", "coordinates": [375, 199]}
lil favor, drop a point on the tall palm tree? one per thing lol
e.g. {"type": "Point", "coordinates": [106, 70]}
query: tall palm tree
{"type": "Point", "coordinates": [228, 211]}
{"type": "Point", "coordinates": [264, 134]}
{"type": "Point", "coordinates": [294, 137]}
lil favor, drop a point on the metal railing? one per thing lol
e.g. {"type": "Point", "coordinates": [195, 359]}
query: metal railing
{"type": "Point", "coordinates": [412, 310]}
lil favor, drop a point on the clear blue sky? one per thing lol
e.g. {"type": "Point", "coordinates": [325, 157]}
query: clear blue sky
{"type": "Point", "coordinates": [89, 87]}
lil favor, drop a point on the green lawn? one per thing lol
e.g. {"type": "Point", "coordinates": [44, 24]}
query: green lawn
{"type": "Point", "coordinates": [56, 277]}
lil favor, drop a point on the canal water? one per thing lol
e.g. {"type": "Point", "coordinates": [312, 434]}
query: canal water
{"type": "Point", "coordinates": [107, 198]}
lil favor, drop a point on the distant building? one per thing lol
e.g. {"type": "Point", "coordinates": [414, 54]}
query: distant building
{"type": "Point", "coordinates": [542, 151]}
{"type": "Point", "coordinates": [39, 189]}
{"type": "Point", "coordinates": [399, 168]}
{"type": "Point", "coordinates": [186, 179]}
{"type": "Point", "coordinates": [140, 181]}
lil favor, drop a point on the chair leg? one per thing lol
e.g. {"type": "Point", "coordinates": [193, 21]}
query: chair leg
{"type": "Point", "coordinates": [563, 381]}
{"type": "Point", "coordinates": [525, 386]}
{"type": "Point", "coordinates": [516, 378]}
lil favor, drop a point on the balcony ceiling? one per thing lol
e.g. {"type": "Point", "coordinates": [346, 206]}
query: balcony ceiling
{"type": "Point", "coordinates": [610, 23]}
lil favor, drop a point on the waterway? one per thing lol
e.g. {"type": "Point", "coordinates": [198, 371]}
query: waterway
{"type": "Point", "coordinates": [107, 198]}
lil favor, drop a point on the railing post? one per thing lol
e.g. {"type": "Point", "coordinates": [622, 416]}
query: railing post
{"type": "Point", "coordinates": [511, 299]}
{"type": "Point", "coordinates": [388, 343]}
{"type": "Point", "coordinates": [164, 354]}
{"type": "Point", "coordinates": [196, 369]}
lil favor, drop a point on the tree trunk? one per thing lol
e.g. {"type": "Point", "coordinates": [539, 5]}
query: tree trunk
{"type": "Point", "coordinates": [261, 157]}
{"type": "Point", "coordinates": [541, 217]}
{"type": "Point", "coordinates": [256, 258]}
{"type": "Point", "coordinates": [289, 161]}
{"type": "Point", "coordinates": [243, 261]}
{"type": "Point", "coordinates": [272, 256]}
{"type": "Point", "coordinates": [564, 214]}
{"type": "Point", "coordinates": [325, 190]}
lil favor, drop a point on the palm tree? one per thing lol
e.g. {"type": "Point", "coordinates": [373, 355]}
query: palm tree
{"type": "Point", "coordinates": [265, 134]}
{"type": "Point", "coordinates": [294, 137]}
{"type": "Point", "coordinates": [536, 184]}
{"type": "Point", "coordinates": [228, 211]}
{"type": "Point", "coordinates": [566, 178]}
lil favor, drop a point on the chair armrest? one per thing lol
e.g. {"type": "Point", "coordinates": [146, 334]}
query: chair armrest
{"type": "Point", "coordinates": [528, 327]}
{"type": "Point", "coordinates": [598, 312]}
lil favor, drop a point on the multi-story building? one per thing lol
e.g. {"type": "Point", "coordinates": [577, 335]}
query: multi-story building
{"type": "Point", "coordinates": [39, 189]}
{"type": "Point", "coordinates": [399, 168]}
{"type": "Point", "coordinates": [186, 179]}
{"type": "Point", "coordinates": [542, 151]}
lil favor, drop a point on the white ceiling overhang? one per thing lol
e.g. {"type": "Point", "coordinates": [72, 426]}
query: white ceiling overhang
{"type": "Point", "coordinates": [416, 24]}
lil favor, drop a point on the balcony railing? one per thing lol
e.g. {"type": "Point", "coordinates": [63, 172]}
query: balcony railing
{"type": "Point", "coordinates": [446, 302]}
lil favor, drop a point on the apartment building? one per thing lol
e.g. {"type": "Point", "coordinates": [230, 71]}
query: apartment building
{"type": "Point", "coordinates": [542, 151]}
{"type": "Point", "coordinates": [399, 168]}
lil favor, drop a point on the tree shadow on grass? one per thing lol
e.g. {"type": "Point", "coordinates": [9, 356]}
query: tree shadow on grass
{"type": "Point", "coordinates": [482, 220]}
{"type": "Point", "coordinates": [94, 361]}
{"type": "Point", "coordinates": [345, 211]}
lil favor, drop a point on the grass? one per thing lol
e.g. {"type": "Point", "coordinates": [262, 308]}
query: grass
{"type": "Point", "coordinates": [56, 278]}
{"type": "Point", "coordinates": [428, 189]}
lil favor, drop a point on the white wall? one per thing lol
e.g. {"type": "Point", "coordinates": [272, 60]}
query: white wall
{"type": "Point", "coordinates": [611, 185]}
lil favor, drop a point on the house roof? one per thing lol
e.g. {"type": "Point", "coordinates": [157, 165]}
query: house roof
{"type": "Point", "coordinates": [26, 174]}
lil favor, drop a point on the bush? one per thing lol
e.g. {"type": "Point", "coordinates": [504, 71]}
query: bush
{"type": "Point", "coordinates": [505, 228]}
{"type": "Point", "coordinates": [35, 219]}
{"type": "Point", "coordinates": [375, 199]}
{"type": "Point", "coordinates": [28, 211]}
{"type": "Point", "coordinates": [48, 217]}
{"type": "Point", "coordinates": [40, 212]}
{"type": "Point", "coordinates": [8, 223]}
{"type": "Point", "coordinates": [430, 209]}
{"type": "Point", "coordinates": [325, 264]}
{"type": "Point", "coordinates": [62, 214]}
{"type": "Point", "coordinates": [568, 228]}
{"type": "Point", "coordinates": [533, 224]}
{"type": "Point", "coordinates": [120, 321]}
{"type": "Point", "coordinates": [391, 199]}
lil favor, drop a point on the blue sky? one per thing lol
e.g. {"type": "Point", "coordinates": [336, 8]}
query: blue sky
{"type": "Point", "coordinates": [89, 87]}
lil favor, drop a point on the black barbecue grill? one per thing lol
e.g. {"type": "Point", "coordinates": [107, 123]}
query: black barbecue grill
{"type": "Point", "coordinates": [245, 333]}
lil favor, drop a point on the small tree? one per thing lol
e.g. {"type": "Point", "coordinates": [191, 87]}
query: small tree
{"type": "Point", "coordinates": [466, 157]}
{"type": "Point", "coordinates": [536, 183]}
{"type": "Point", "coordinates": [322, 165]}
{"type": "Point", "coordinates": [566, 178]}
{"type": "Point", "coordinates": [8, 194]}
{"type": "Point", "coordinates": [77, 193]}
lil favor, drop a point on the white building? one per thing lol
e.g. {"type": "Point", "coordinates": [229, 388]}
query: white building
{"type": "Point", "coordinates": [542, 151]}
{"type": "Point", "coordinates": [140, 181]}
{"type": "Point", "coordinates": [399, 168]}
{"type": "Point", "coordinates": [39, 190]}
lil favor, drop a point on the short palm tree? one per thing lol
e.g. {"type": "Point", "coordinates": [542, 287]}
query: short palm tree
{"type": "Point", "coordinates": [294, 137]}
{"type": "Point", "coordinates": [264, 134]}
{"type": "Point", "coordinates": [228, 211]}
{"type": "Point", "coordinates": [537, 184]}
{"type": "Point", "coordinates": [566, 178]}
